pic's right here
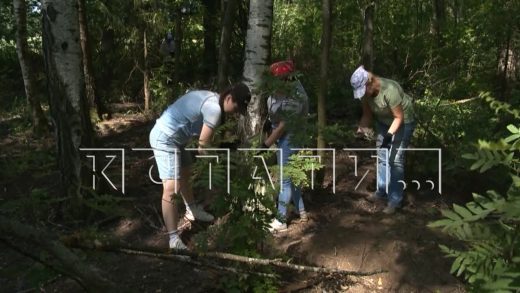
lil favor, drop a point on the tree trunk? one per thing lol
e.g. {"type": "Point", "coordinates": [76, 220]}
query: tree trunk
{"type": "Point", "coordinates": [69, 263]}
{"type": "Point", "coordinates": [106, 75]}
{"type": "Point", "coordinates": [438, 20]}
{"type": "Point", "coordinates": [506, 68]}
{"type": "Point", "coordinates": [178, 47]}
{"type": "Point", "coordinates": [225, 43]}
{"type": "Point", "coordinates": [257, 55]}
{"type": "Point", "coordinates": [95, 103]}
{"type": "Point", "coordinates": [326, 36]}
{"type": "Point", "coordinates": [62, 54]}
{"type": "Point", "coordinates": [459, 11]}
{"type": "Point", "coordinates": [210, 32]}
{"type": "Point", "coordinates": [146, 74]}
{"type": "Point", "coordinates": [368, 37]}
{"type": "Point", "coordinates": [22, 49]}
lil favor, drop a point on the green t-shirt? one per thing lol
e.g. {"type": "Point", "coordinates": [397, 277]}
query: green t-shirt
{"type": "Point", "coordinates": [390, 96]}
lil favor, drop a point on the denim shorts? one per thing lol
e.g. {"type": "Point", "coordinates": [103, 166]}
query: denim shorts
{"type": "Point", "coordinates": [169, 156]}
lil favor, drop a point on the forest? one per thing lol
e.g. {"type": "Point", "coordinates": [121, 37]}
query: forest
{"type": "Point", "coordinates": [259, 146]}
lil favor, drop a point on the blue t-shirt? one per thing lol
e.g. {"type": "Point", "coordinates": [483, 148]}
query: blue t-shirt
{"type": "Point", "coordinates": [185, 117]}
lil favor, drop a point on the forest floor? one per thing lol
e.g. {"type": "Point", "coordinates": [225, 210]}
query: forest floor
{"type": "Point", "coordinates": [344, 231]}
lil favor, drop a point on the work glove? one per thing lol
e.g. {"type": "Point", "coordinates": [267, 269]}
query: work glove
{"type": "Point", "coordinates": [387, 140]}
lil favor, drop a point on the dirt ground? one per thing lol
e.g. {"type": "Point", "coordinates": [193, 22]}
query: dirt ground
{"type": "Point", "coordinates": [344, 231]}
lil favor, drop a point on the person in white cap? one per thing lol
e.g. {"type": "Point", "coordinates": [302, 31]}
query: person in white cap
{"type": "Point", "coordinates": [392, 108]}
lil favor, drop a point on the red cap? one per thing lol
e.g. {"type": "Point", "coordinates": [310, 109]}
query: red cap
{"type": "Point", "coordinates": [282, 68]}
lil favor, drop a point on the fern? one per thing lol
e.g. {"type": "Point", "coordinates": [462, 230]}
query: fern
{"type": "Point", "coordinates": [489, 226]}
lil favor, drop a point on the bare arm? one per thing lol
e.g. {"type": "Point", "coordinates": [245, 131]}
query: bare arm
{"type": "Point", "coordinates": [366, 118]}
{"type": "Point", "coordinates": [205, 137]}
{"type": "Point", "coordinates": [398, 119]}
{"type": "Point", "coordinates": [275, 134]}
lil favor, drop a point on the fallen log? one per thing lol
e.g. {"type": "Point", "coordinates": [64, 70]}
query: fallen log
{"type": "Point", "coordinates": [115, 245]}
{"type": "Point", "coordinates": [89, 278]}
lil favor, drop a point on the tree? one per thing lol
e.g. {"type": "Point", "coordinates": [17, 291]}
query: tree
{"type": "Point", "coordinates": [257, 53]}
{"type": "Point", "coordinates": [324, 67]}
{"type": "Point", "coordinates": [22, 49]}
{"type": "Point", "coordinates": [439, 18]}
{"type": "Point", "coordinates": [146, 72]}
{"type": "Point", "coordinates": [178, 45]}
{"type": "Point", "coordinates": [210, 32]}
{"type": "Point", "coordinates": [225, 43]}
{"type": "Point", "coordinates": [90, 85]}
{"type": "Point", "coordinates": [62, 54]}
{"type": "Point", "coordinates": [368, 36]}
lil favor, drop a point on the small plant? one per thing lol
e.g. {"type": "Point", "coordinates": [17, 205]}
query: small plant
{"type": "Point", "coordinates": [489, 226]}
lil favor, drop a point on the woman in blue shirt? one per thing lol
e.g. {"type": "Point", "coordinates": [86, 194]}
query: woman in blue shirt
{"type": "Point", "coordinates": [197, 113]}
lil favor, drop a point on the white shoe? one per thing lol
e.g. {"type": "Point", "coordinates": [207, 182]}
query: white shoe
{"type": "Point", "coordinates": [177, 244]}
{"type": "Point", "coordinates": [196, 212]}
{"type": "Point", "coordinates": [277, 226]}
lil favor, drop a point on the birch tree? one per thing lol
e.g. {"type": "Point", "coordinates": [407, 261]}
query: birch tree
{"type": "Point", "coordinates": [62, 54]}
{"type": "Point", "coordinates": [257, 55]}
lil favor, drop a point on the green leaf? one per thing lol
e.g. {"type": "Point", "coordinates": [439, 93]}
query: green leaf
{"type": "Point", "coordinates": [469, 156]}
{"type": "Point", "coordinates": [451, 215]}
{"type": "Point", "coordinates": [512, 138]}
{"type": "Point", "coordinates": [440, 223]}
{"type": "Point", "coordinates": [488, 165]}
{"type": "Point", "coordinates": [477, 164]}
{"type": "Point", "coordinates": [463, 212]}
{"type": "Point", "coordinates": [456, 264]}
{"type": "Point", "coordinates": [512, 128]}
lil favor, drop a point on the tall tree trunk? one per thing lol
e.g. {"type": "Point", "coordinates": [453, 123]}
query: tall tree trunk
{"type": "Point", "coordinates": [506, 68]}
{"type": "Point", "coordinates": [94, 100]}
{"type": "Point", "coordinates": [459, 11]}
{"type": "Point", "coordinates": [368, 37]}
{"type": "Point", "coordinates": [62, 54]}
{"type": "Point", "coordinates": [257, 55]}
{"type": "Point", "coordinates": [225, 43]}
{"type": "Point", "coordinates": [146, 74]}
{"type": "Point", "coordinates": [439, 15]}
{"type": "Point", "coordinates": [326, 36]}
{"type": "Point", "coordinates": [106, 75]}
{"type": "Point", "coordinates": [22, 49]}
{"type": "Point", "coordinates": [178, 47]}
{"type": "Point", "coordinates": [70, 264]}
{"type": "Point", "coordinates": [210, 32]}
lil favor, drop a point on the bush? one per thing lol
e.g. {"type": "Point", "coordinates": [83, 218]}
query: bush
{"type": "Point", "coordinates": [489, 226]}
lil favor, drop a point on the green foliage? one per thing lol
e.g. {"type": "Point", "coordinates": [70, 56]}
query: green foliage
{"type": "Point", "coordinates": [489, 226]}
{"type": "Point", "coordinates": [245, 206]}
{"type": "Point", "coordinates": [300, 166]}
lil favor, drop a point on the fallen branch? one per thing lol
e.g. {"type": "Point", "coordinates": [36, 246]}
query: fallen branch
{"type": "Point", "coordinates": [89, 278]}
{"type": "Point", "coordinates": [190, 260]}
{"type": "Point", "coordinates": [117, 246]}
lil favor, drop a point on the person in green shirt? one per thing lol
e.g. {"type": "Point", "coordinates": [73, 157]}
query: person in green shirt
{"type": "Point", "coordinates": [385, 100]}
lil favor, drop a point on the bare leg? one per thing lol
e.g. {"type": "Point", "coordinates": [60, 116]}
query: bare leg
{"type": "Point", "coordinates": [169, 207]}
{"type": "Point", "coordinates": [185, 186]}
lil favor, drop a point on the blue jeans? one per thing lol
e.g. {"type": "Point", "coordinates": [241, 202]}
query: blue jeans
{"type": "Point", "coordinates": [288, 190]}
{"type": "Point", "coordinates": [395, 163]}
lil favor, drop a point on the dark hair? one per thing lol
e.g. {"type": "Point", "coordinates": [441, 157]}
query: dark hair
{"type": "Point", "coordinates": [240, 94]}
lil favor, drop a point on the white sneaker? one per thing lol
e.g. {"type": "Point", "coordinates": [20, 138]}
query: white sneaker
{"type": "Point", "coordinates": [177, 244]}
{"type": "Point", "coordinates": [196, 212]}
{"type": "Point", "coordinates": [277, 226]}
